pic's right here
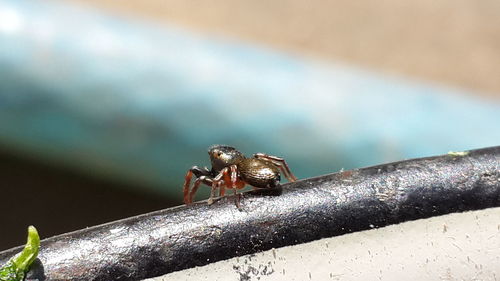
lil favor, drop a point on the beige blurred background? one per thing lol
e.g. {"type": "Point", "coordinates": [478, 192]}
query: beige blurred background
{"type": "Point", "coordinates": [451, 42]}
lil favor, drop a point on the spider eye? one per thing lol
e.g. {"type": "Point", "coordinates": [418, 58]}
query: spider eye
{"type": "Point", "coordinates": [219, 154]}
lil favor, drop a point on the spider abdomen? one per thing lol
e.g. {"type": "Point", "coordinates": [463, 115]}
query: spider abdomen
{"type": "Point", "coordinates": [259, 173]}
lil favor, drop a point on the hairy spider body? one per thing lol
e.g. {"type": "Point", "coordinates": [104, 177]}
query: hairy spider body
{"type": "Point", "coordinates": [259, 173]}
{"type": "Point", "coordinates": [232, 170]}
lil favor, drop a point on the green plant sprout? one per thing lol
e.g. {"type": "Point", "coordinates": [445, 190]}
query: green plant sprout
{"type": "Point", "coordinates": [16, 267]}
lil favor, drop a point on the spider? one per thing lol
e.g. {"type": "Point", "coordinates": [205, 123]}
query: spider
{"type": "Point", "coordinates": [232, 170]}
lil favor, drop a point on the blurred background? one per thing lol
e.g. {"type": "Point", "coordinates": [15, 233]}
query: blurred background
{"type": "Point", "coordinates": [104, 105]}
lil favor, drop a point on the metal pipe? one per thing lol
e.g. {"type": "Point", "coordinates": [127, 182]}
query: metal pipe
{"type": "Point", "coordinates": [186, 236]}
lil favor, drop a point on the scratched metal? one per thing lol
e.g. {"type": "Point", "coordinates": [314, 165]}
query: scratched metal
{"type": "Point", "coordinates": [183, 237]}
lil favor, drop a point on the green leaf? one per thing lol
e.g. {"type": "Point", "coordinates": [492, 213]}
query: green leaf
{"type": "Point", "coordinates": [16, 267]}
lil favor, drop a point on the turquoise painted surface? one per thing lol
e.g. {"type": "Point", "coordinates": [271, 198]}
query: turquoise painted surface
{"type": "Point", "coordinates": [141, 102]}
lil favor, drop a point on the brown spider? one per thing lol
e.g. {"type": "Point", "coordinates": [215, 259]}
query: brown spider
{"type": "Point", "coordinates": [231, 169]}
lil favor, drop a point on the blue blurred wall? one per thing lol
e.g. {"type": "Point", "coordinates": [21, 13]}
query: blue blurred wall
{"type": "Point", "coordinates": [126, 99]}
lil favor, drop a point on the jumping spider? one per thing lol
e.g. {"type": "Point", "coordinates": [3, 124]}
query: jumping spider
{"type": "Point", "coordinates": [232, 170]}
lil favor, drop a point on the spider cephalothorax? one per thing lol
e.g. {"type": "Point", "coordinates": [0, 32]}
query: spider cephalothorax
{"type": "Point", "coordinates": [231, 169]}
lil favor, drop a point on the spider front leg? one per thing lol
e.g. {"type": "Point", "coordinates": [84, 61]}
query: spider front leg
{"type": "Point", "coordinates": [198, 172]}
{"type": "Point", "coordinates": [280, 163]}
{"type": "Point", "coordinates": [216, 182]}
{"type": "Point", "coordinates": [222, 186]}
{"type": "Point", "coordinates": [236, 184]}
{"type": "Point", "coordinates": [203, 179]}
{"type": "Point", "coordinates": [227, 178]}
{"type": "Point", "coordinates": [222, 190]}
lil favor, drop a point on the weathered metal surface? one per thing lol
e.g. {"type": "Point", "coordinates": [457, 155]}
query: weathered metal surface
{"type": "Point", "coordinates": [183, 237]}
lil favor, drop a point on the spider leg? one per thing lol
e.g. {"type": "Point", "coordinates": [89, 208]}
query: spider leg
{"type": "Point", "coordinates": [219, 185]}
{"type": "Point", "coordinates": [222, 190]}
{"type": "Point", "coordinates": [237, 197]}
{"type": "Point", "coordinates": [234, 179]}
{"type": "Point", "coordinates": [236, 183]}
{"type": "Point", "coordinates": [216, 183]}
{"type": "Point", "coordinates": [234, 175]}
{"type": "Point", "coordinates": [228, 181]}
{"type": "Point", "coordinates": [280, 162]}
{"type": "Point", "coordinates": [198, 172]}
{"type": "Point", "coordinates": [185, 188]}
{"type": "Point", "coordinates": [203, 179]}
